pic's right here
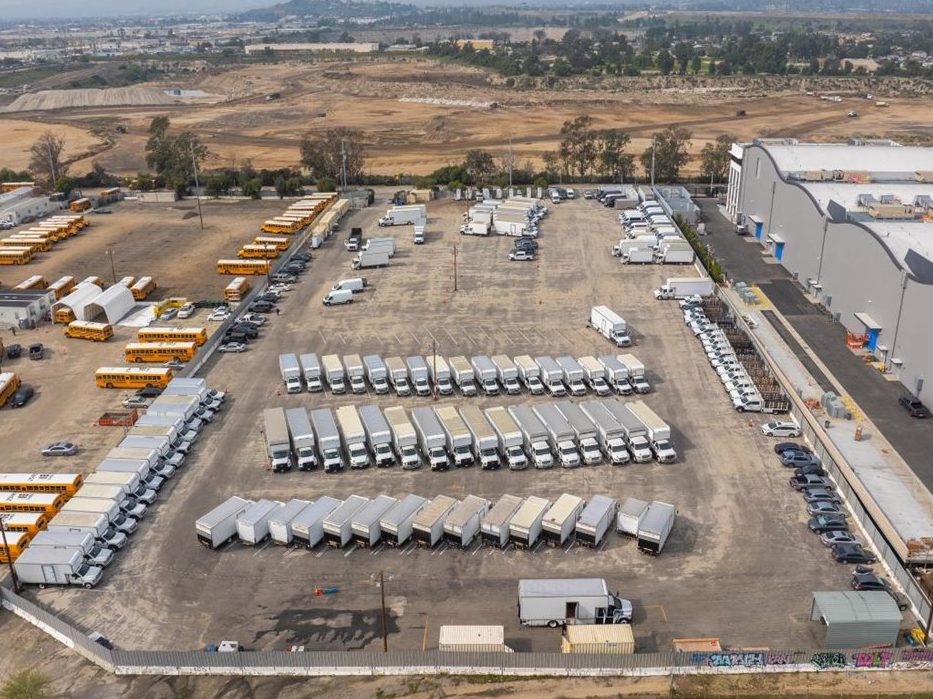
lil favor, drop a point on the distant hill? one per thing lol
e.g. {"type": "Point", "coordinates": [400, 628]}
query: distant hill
{"type": "Point", "coordinates": [326, 8]}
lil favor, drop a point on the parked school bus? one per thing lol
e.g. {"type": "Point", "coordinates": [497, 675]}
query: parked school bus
{"type": "Point", "coordinates": [67, 483]}
{"type": "Point", "coordinates": [86, 330]}
{"type": "Point", "coordinates": [267, 252]}
{"type": "Point", "coordinates": [243, 266]}
{"type": "Point", "coordinates": [280, 225]}
{"type": "Point", "coordinates": [143, 287]}
{"type": "Point", "coordinates": [10, 186]}
{"type": "Point", "coordinates": [128, 282]}
{"type": "Point", "coordinates": [62, 287]}
{"type": "Point", "coordinates": [279, 242]}
{"type": "Point", "coordinates": [32, 522]}
{"type": "Point", "coordinates": [79, 205]}
{"type": "Point", "coordinates": [50, 503]}
{"type": "Point", "coordinates": [168, 334]}
{"type": "Point", "coordinates": [133, 377]}
{"type": "Point", "coordinates": [16, 543]}
{"type": "Point", "coordinates": [36, 281]}
{"type": "Point", "coordinates": [16, 256]}
{"type": "Point", "coordinates": [159, 351]}
{"type": "Point", "coordinates": [9, 384]}
{"type": "Point", "coordinates": [236, 290]}
{"type": "Point", "coordinates": [34, 245]}
{"type": "Point", "coordinates": [63, 315]}
{"type": "Point", "coordinates": [95, 280]}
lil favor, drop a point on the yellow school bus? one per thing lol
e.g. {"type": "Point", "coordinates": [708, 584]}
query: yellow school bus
{"type": "Point", "coordinates": [280, 242]}
{"type": "Point", "coordinates": [63, 315]}
{"type": "Point", "coordinates": [79, 205]}
{"type": "Point", "coordinates": [127, 282]}
{"type": "Point", "coordinates": [236, 290]}
{"type": "Point", "coordinates": [243, 266]}
{"type": "Point", "coordinates": [36, 281]}
{"type": "Point", "coordinates": [143, 287]}
{"type": "Point", "coordinates": [86, 330]}
{"type": "Point", "coordinates": [16, 543]}
{"type": "Point", "coordinates": [280, 225]}
{"type": "Point", "coordinates": [16, 256]}
{"type": "Point", "coordinates": [93, 279]}
{"type": "Point", "coordinates": [31, 522]}
{"type": "Point", "coordinates": [9, 384]}
{"type": "Point", "coordinates": [41, 482]}
{"type": "Point", "coordinates": [267, 252]}
{"type": "Point", "coordinates": [62, 287]}
{"type": "Point", "coordinates": [133, 377]}
{"type": "Point", "coordinates": [159, 351]}
{"type": "Point", "coordinates": [10, 186]}
{"type": "Point", "coordinates": [34, 245]}
{"type": "Point", "coordinates": [168, 334]}
{"type": "Point", "coordinates": [49, 503]}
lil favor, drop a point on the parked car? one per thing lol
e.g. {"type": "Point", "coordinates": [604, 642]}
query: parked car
{"type": "Point", "coordinates": [810, 469]}
{"type": "Point", "coordinates": [798, 459]}
{"type": "Point", "coordinates": [851, 553]}
{"type": "Point", "coordinates": [136, 402]}
{"type": "Point", "coordinates": [254, 318]}
{"type": "Point", "coordinates": [781, 447]}
{"type": "Point", "coordinates": [283, 278]}
{"type": "Point", "coordinates": [22, 396]}
{"type": "Point", "coordinates": [838, 537]}
{"type": "Point", "coordinates": [175, 364]}
{"type": "Point", "coordinates": [248, 329]}
{"type": "Point", "coordinates": [60, 449]}
{"type": "Point", "coordinates": [803, 482]}
{"type": "Point", "coordinates": [780, 429]}
{"type": "Point", "coordinates": [14, 351]}
{"type": "Point", "coordinates": [149, 392]}
{"type": "Point", "coordinates": [825, 507]}
{"type": "Point", "coordinates": [522, 256]}
{"type": "Point", "coordinates": [232, 347]}
{"type": "Point", "coordinates": [820, 495]}
{"type": "Point", "coordinates": [914, 407]}
{"type": "Point", "coordinates": [303, 256]}
{"type": "Point", "coordinates": [219, 315]}
{"type": "Point", "coordinates": [168, 314]}
{"type": "Point", "coordinates": [36, 350]}
{"type": "Point", "coordinates": [821, 524]}
{"type": "Point", "coordinates": [186, 311]}
{"type": "Point", "coordinates": [526, 242]}
{"type": "Point", "coordinates": [261, 307]}
{"type": "Point", "coordinates": [867, 580]}
{"type": "Point", "coordinates": [233, 336]}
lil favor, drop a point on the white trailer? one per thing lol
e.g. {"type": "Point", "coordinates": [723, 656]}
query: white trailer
{"type": "Point", "coordinates": [494, 530]}
{"type": "Point", "coordinates": [280, 524]}
{"type": "Point", "coordinates": [509, 436]}
{"type": "Point", "coordinates": [378, 435]}
{"type": "Point", "coordinates": [365, 523]}
{"type": "Point", "coordinates": [308, 525]}
{"type": "Point", "coordinates": [630, 515]}
{"type": "Point", "coordinates": [337, 525]}
{"type": "Point", "coordinates": [535, 436]}
{"type": "Point", "coordinates": [252, 525]}
{"type": "Point", "coordinates": [485, 442]}
{"type": "Point", "coordinates": [428, 524]}
{"type": "Point", "coordinates": [525, 526]}
{"type": "Point", "coordinates": [655, 527]}
{"type": "Point", "coordinates": [462, 524]}
{"type": "Point", "coordinates": [459, 439]}
{"type": "Point", "coordinates": [561, 519]}
{"type": "Point", "coordinates": [218, 526]}
{"type": "Point", "coordinates": [595, 521]}
{"type": "Point", "coordinates": [530, 374]}
{"type": "Point", "coordinates": [311, 371]}
{"type": "Point", "coordinates": [611, 325]}
{"type": "Point", "coordinates": [404, 438]}
{"type": "Point", "coordinates": [396, 524]}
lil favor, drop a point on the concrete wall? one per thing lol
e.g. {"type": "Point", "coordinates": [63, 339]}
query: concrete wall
{"type": "Point", "coordinates": [855, 269]}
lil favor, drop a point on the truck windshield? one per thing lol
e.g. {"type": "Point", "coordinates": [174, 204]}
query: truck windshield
{"type": "Point", "coordinates": [567, 450]}
{"type": "Point", "coordinates": [83, 570]}
{"type": "Point", "coordinates": [461, 450]}
{"type": "Point", "coordinates": [515, 452]}
{"type": "Point", "coordinates": [357, 449]}
{"type": "Point", "coordinates": [279, 453]}
{"type": "Point", "coordinates": [663, 444]}
{"type": "Point", "coordinates": [541, 450]}
{"type": "Point", "coordinates": [331, 454]}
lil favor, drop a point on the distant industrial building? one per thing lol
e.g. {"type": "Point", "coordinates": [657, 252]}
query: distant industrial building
{"type": "Point", "coordinates": [853, 223]}
{"type": "Point", "coordinates": [362, 47]}
{"type": "Point", "coordinates": [24, 309]}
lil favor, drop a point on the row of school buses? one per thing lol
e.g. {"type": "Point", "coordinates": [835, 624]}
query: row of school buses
{"type": "Point", "coordinates": [27, 502]}
{"type": "Point", "coordinates": [21, 247]}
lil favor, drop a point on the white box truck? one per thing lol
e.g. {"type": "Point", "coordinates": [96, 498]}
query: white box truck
{"type": "Point", "coordinates": [252, 524]}
{"type": "Point", "coordinates": [378, 435]}
{"type": "Point", "coordinates": [573, 375]}
{"type": "Point", "coordinates": [290, 370]}
{"type": "Point", "coordinates": [118, 520]}
{"type": "Point", "coordinates": [378, 256]}
{"type": "Point", "coordinates": [551, 375]}
{"type": "Point", "coordinates": [308, 525]}
{"type": "Point", "coordinates": [364, 524]}
{"type": "Point", "coordinates": [635, 432]}
{"type": "Point", "coordinates": [595, 521]}
{"type": "Point", "coordinates": [584, 431]}
{"type": "Point", "coordinates": [431, 438]}
{"type": "Point", "coordinates": [561, 602]}
{"type": "Point", "coordinates": [129, 482]}
{"type": "Point", "coordinates": [535, 436]}
{"type": "Point", "coordinates": [560, 435]}
{"type": "Point", "coordinates": [427, 527]}
{"type": "Point", "coordinates": [509, 435]}
{"type": "Point", "coordinates": [594, 375]}
{"type": "Point", "coordinates": [530, 374]}
{"type": "Point", "coordinates": [658, 432]}
{"type": "Point", "coordinates": [458, 437]}
{"type": "Point", "coordinates": [682, 287]}
{"type": "Point", "coordinates": [485, 441]}
{"type": "Point", "coordinates": [398, 376]}
{"type": "Point", "coordinates": [303, 443]}
{"type": "Point", "coordinates": [278, 440]}
{"type": "Point", "coordinates": [636, 372]}
{"type": "Point", "coordinates": [94, 554]}
{"type": "Point", "coordinates": [355, 373]}
{"type": "Point", "coordinates": [561, 519]}
{"type": "Point", "coordinates": [616, 374]}
{"type": "Point", "coordinates": [311, 371]}
{"type": "Point", "coordinates": [462, 524]}
{"type": "Point", "coordinates": [507, 373]}
{"type": "Point", "coordinates": [486, 375]}
{"type": "Point", "coordinates": [354, 436]}
{"type": "Point", "coordinates": [440, 374]}
{"type": "Point", "coordinates": [630, 516]}
{"type": "Point", "coordinates": [462, 372]}
{"type": "Point", "coordinates": [377, 373]}
{"type": "Point", "coordinates": [328, 439]}
{"type": "Point", "coordinates": [280, 524]}
{"type": "Point", "coordinates": [49, 565]}
{"type": "Point", "coordinates": [610, 433]}
{"type": "Point", "coordinates": [525, 525]}
{"type": "Point", "coordinates": [334, 374]}
{"type": "Point", "coordinates": [610, 325]}
{"type": "Point", "coordinates": [418, 371]}
{"type": "Point", "coordinates": [128, 504]}
{"type": "Point", "coordinates": [87, 522]}
{"type": "Point", "coordinates": [218, 526]}
{"type": "Point", "coordinates": [655, 527]}
{"type": "Point", "coordinates": [404, 438]}
{"type": "Point", "coordinates": [494, 529]}
{"type": "Point", "coordinates": [396, 523]}
{"type": "Point", "coordinates": [337, 525]}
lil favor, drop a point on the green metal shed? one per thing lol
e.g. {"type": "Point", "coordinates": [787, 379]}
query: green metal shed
{"type": "Point", "coordinates": [857, 619]}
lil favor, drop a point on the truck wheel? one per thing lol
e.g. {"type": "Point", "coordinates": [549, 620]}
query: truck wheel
{"type": "Point", "coordinates": [88, 586]}
{"type": "Point", "coordinates": [42, 586]}
{"type": "Point", "coordinates": [740, 409]}
{"type": "Point", "coordinates": [553, 624]}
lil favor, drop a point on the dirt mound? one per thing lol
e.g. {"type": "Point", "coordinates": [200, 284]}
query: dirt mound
{"type": "Point", "coordinates": [94, 97]}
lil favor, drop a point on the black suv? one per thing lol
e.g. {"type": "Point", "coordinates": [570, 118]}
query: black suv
{"type": "Point", "coordinates": [21, 397]}
{"type": "Point", "coordinates": [251, 331]}
{"type": "Point", "coordinates": [914, 407]}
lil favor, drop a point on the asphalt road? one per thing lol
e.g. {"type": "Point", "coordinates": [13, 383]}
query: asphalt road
{"type": "Point", "coordinates": [875, 395]}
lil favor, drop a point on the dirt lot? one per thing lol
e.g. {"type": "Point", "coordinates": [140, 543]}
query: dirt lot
{"type": "Point", "coordinates": [415, 137]}
{"type": "Point", "coordinates": [738, 521]}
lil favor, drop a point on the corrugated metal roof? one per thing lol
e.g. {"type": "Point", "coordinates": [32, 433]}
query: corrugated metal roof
{"type": "Point", "coordinates": [850, 606]}
{"type": "Point", "coordinates": [602, 633]}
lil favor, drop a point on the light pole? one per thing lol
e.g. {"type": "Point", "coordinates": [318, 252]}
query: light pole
{"type": "Point", "coordinates": [455, 268]}
{"type": "Point", "coordinates": [197, 185]}
{"type": "Point", "coordinates": [113, 269]}
{"type": "Point", "coordinates": [434, 362]}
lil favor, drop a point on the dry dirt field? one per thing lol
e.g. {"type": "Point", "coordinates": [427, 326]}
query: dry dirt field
{"type": "Point", "coordinates": [417, 136]}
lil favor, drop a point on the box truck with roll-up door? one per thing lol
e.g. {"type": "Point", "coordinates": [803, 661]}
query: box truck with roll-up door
{"type": "Point", "coordinates": [398, 376]}
{"type": "Point", "coordinates": [635, 432]}
{"type": "Point", "coordinates": [525, 526]}
{"type": "Point", "coordinates": [308, 525]}
{"type": "Point", "coordinates": [530, 374]}
{"type": "Point", "coordinates": [485, 372]}
{"type": "Point", "coordinates": [573, 375]}
{"type": "Point", "coordinates": [552, 376]}
{"type": "Point", "coordinates": [354, 436]}
{"type": "Point", "coordinates": [377, 373]}
{"type": "Point", "coordinates": [630, 516]}
{"type": "Point", "coordinates": [128, 504]}
{"type": "Point", "coordinates": [303, 445]}
{"type": "Point", "coordinates": [88, 522]}
{"type": "Point", "coordinates": [378, 435]}
{"type": "Point", "coordinates": [616, 374]}
{"type": "Point", "coordinates": [278, 440]}
{"type": "Point", "coordinates": [560, 520]}
{"type": "Point", "coordinates": [328, 439]}
{"type": "Point", "coordinates": [428, 524]}
{"type": "Point", "coordinates": [510, 438]}
{"type": "Point", "coordinates": [98, 506]}
{"type": "Point", "coordinates": [280, 524]}
{"type": "Point", "coordinates": [334, 373]}
{"type": "Point", "coordinates": [584, 431]}
{"type": "Point", "coordinates": [458, 437]}
{"type": "Point", "coordinates": [85, 542]}
{"type": "Point", "coordinates": [609, 431]}
{"type": "Point", "coordinates": [396, 523]}
{"type": "Point", "coordinates": [594, 375]}
{"type": "Point", "coordinates": [485, 442]}
{"type": "Point", "coordinates": [636, 372]}
{"type": "Point", "coordinates": [595, 521]}
{"type": "Point", "coordinates": [494, 529]}
{"type": "Point", "coordinates": [565, 601]}
{"type": "Point", "coordinates": [404, 438]}
{"type": "Point", "coordinates": [561, 437]}
{"type": "Point", "coordinates": [655, 527]}
{"type": "Point", "coordinates": [355, 373]}
{"type": "Point", "coordinates": [463, 523]}
{"type": "Point", "coordinates": [149, 477]}
{"type": "Point", "coordinates": [311, 372]}
{"type": "Point", "coordinates": [418, 371]}
{"type": "Point", "coordinates": [291, 373]}
{"type": "Point", "coordinates": [337, 525]}
{"type": "Point", "coordinates": [440, 374]}
{"type": "Point", "coordinates": [252, 525]}
{"type": "Point", "coordinates": [535, 436]}
{"type": "Point", "coordinates": [463, 375]}
{"type": "Point", "coordinates": [431, 438]}
{"type": "Point", "coordinates": [658, 432]}
{"type": "Point", "coordinates": [364, 525]}
{"type": "Point", "coordinates": [218, 526]}
{"type": "Point", "coordinates": [507, 373]}
{"type": "Point", "coordinates": [49, 565]}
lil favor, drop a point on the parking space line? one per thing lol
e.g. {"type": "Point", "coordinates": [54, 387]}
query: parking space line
{"type": "Point", "coordinates": [452, 338]}
{"type": "Point", "coordinates": [415, 337]}
{"type": "Point", "coordinates": [262, 548]}
{"type": "Point", "coordinates": [323, 337]}
{"type": "Point", "coordinates": [322, 552]}
{"type": "Point", "coordinates": [431, 335]}
{"type": "Point", "coordinates": [398, 339]}
{"type": "Point", "coordinates": [350, 550]}
{"type": "Point", "coordinates": [659, 607]}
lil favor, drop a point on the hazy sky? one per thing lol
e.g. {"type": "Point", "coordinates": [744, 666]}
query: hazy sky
{"type": "Point", "coordinates": [98, 8]}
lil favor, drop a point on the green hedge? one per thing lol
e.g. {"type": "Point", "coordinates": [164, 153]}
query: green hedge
{"type": "Point", "coordinates": [710, 262]}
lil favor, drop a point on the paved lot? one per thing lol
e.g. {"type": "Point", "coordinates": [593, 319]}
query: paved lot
{"type": "Point", "coordinates": [738, 525]}
{"type": "Point", "coordinates": [875, 395]}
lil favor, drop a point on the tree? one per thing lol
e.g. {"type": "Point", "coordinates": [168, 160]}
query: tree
{"type": "Point", "coordinates": [613, 159]}
{"type": "Point", "coordinates": [144, 182]}
{"type": "Point", "coordinates": [326, 184]}
{"type": "Point", "coordinates": [288, 186]}
{"type": "Point", "coordinates": [28, 684]}
{"type": "Point", "coordinates": [173, 157]}
{"type": "Point", "coordinates": [218, 184]}
{"type": "Point", "coordinates": [578, 149]}
{"type": "Point", "coordinates": [326, 154]}
{"type": "Point", "coordinates": [695, 64]}
{"type": "Point", "coordinates": [682, 52]}
{"type": "Point", "coordinates": [715, 158]}
{"type": "Point", "coordinates": [45, 160]}
{"type": "Point", "coordinates": [479, 166]}
{"type": "Point", "coordinates": [65, 184]}
{"type": "Point", "coordinates": [670, 153]}
{"type": "Point", "coordinates": [253, 188]}
{"type": "Point", "coordinates": [665, 62]}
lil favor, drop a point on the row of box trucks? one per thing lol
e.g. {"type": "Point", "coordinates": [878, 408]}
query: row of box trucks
{"type": "Point", "coordinates": [518, 436]}
{"type": "Point", "coordinates": [651, 237]}
{"type": "Point", "coordinates": [80, 540]}
{"type": "Point", "coordinates": [524, 523]}
{"type": "Point", "coordinates": [434, 374]}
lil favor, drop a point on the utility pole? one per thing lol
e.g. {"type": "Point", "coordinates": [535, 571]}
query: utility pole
{"type": "Point", "coordinates": [9, 559]}
{"type": "Point", "coordinates": [510, 162]}
{"type": "Point", "coordinates": [434, 360]}
{"type": "Point", "coordinates": [197, 185]}
{"type": "Point", "coordinates": [343, 159]}
{"type": "Point", "coordinates": [385, 629]}
{"type": "Point", "coordinates": [113, 269]}
{"type": "Point", "coordinates": [48, 146]}
{"type": "Point", "coordinates": [653, 145]}
{"type": "Point", "coordinates": [455, 268]}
